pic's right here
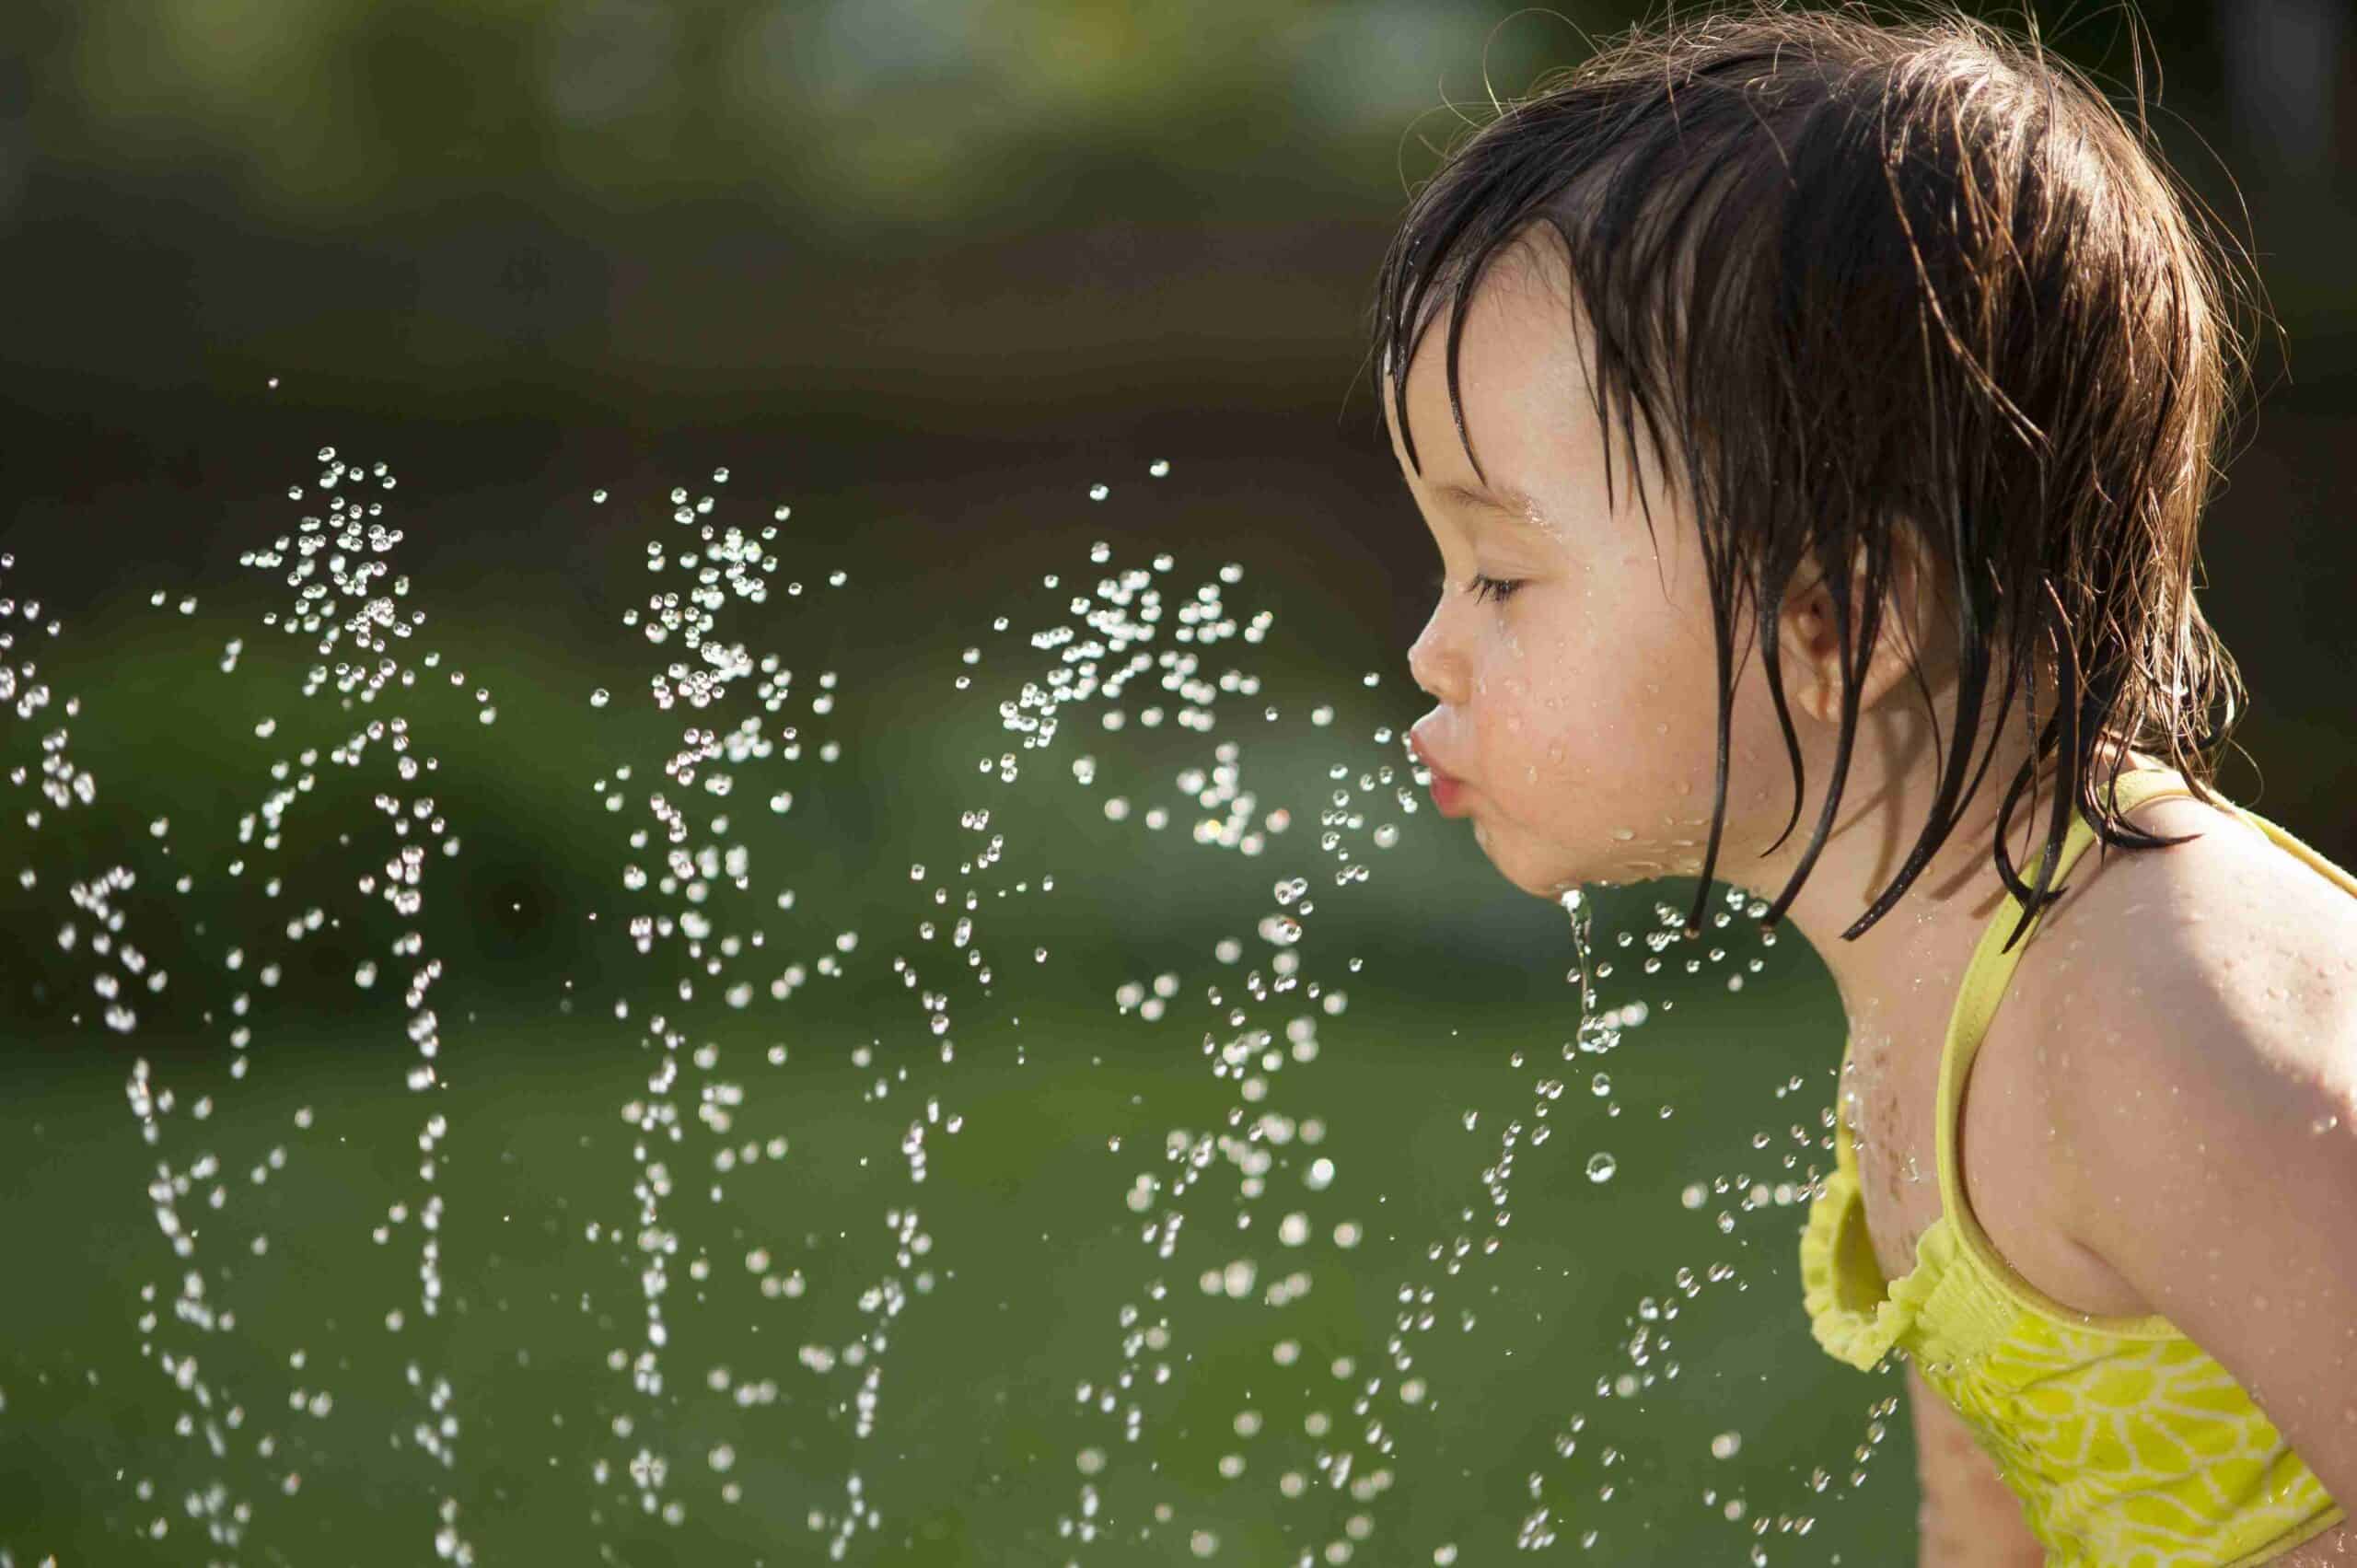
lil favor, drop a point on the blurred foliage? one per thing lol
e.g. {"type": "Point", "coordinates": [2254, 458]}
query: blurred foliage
{"type": "Point", "coordinates": [929, 113]}
{"type": "Point", "coordinates": [651, 209]}
{"type": "Point", "coordinates": [924, 114]}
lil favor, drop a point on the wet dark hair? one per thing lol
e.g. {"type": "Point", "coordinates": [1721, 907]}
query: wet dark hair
{"type": "Point", "coordinates": [1846, 273]}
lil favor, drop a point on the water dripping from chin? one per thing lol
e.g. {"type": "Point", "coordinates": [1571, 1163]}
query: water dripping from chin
{"type": "Point", "coordinates": [1580, 910]}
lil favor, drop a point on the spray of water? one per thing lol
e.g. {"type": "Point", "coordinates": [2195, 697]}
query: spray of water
{"type": "Point", "coordinates": [730, 728]}
{"type": "Point", "coordinates": [346, 606]}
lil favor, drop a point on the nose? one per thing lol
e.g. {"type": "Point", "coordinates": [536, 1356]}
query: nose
{"type": "Point", "coordinates": [1433, 664]}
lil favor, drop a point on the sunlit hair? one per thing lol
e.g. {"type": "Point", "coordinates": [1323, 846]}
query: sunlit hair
{"type": "Point", "coordinates": [1847, 273]}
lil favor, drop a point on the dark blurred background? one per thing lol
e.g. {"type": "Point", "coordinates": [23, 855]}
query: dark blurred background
{"type": "Point", "coordinates": [926, 270]}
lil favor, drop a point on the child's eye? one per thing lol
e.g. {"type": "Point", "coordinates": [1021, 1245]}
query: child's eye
{"type": "Point", "coordinates": [1495, 589]}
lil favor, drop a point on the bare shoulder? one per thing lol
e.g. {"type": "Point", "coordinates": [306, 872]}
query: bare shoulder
{"type": "Point", "coordinates": [2187, 983]}
{"type": "Point", "coordinates": [2227, 924]}
{"type": "Point", "coordinates": [2204, 1119]}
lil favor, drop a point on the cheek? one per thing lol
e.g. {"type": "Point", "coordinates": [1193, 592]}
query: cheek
{"type": "Point", "coordinates": [1546, 707]}
{"type": "Point", "coordinates": [1608, 708]}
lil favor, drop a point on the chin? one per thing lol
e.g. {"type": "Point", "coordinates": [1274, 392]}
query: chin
{"type": "Point", "coordinates": [1540, 877]}
{"type": "Point", "coordinates": [1551, 873]}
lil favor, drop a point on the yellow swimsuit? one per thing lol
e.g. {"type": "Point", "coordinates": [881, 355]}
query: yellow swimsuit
{"type": "Point", "coordinates": [2129, 1447]}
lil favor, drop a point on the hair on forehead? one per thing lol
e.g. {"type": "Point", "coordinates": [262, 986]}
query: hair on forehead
{"type": "Point", "coordinates": [1533, 261]}
{"type": "Point", "coordinates": [1845, 272]}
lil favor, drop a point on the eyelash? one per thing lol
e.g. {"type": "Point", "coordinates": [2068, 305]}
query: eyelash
{"type": "Point", "coordinates": [1497, 590]}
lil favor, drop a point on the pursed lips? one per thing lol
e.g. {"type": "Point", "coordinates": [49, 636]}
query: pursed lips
{"type": "Point", "coordinates": [1447, 788]}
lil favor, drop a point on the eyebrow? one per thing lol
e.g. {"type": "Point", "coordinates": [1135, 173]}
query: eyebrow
{"type": "Point", "coordinates": [1505, 501]}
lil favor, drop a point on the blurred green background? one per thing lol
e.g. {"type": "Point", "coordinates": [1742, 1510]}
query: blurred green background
{"type": "Point", "coordinates": [926, 270]}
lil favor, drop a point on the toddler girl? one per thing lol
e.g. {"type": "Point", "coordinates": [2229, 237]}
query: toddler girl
{"type": "Point", "coordinates": [1814, 415]}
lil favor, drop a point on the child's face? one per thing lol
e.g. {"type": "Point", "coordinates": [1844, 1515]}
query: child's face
{"type": "Point", "coordinates": [1578, 710]}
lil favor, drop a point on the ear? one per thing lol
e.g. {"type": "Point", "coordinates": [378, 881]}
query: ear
{"type": "Point", "coordinates": [1912, 633]}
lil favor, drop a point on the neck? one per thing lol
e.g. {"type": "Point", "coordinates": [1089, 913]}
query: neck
{"type": "Point", "coordinates": [1914, 956]}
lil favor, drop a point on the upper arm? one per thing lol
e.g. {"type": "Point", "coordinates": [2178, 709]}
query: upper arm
{"type": "Point", "coordinates": [1968, 1515]}
{"type": "Point", "coordinates": [2212, 1127]}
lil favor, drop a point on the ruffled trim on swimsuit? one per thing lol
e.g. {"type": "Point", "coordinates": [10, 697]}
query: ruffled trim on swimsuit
{"type": "Point", "coordinates": [1852, 1312]}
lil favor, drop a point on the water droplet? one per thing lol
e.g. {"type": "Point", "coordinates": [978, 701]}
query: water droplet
{"type": "Point", "coordinates": [1099, 492]}
{"type": "Point", "coordinates": [1600, 1166]}
{"type": "Point", "coordinates": [600, 697]}
{"type": "Point", "coordinates": [1159, 468]}
{"type": "Point", "coordinates": [1280, 931]}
